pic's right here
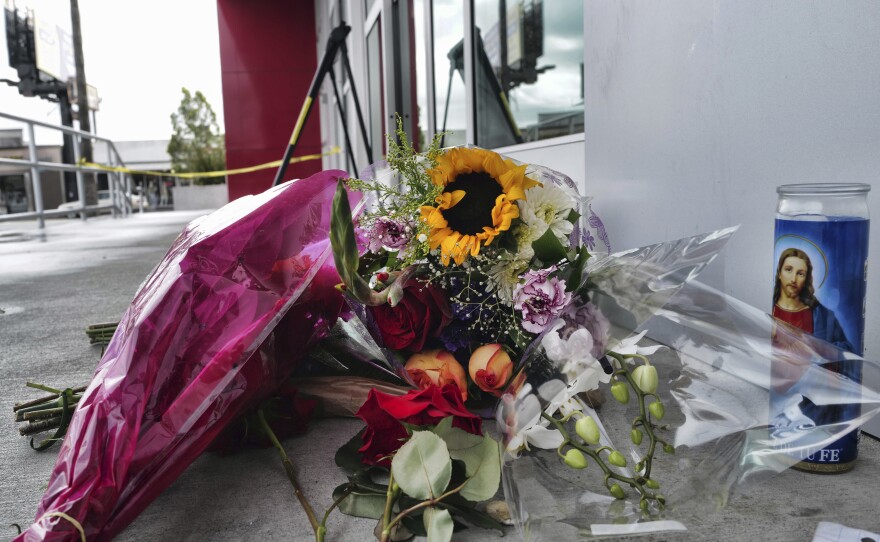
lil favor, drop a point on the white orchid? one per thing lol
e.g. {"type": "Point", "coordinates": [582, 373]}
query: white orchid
{"type": "Point", "coordinates": [531, 429]}
{"type": "Point", "coordinates": [629, 346]}
{"type": "Point", "coordinates": [573, 356]}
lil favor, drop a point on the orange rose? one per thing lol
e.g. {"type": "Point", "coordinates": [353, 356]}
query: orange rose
{"type": "Point", "coordinates": [436, 368]}
{"type": "Point", "coordinates": [490, 368]}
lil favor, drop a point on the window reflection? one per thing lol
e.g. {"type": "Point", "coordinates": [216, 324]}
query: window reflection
{"type": "Point", "coordinates": [374, 82]}
{"type": "Point", "coordinates": [421, 116]}
{"type": "Point", "coordinates": [448, 82]}
{"type": "Point", "coordinates": [537, 61]}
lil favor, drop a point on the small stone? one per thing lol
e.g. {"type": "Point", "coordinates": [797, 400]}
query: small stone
{"type": "Point", "coordinates": [499, 511]}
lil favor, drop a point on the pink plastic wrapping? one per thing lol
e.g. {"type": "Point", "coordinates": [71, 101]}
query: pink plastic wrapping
{"type": "Point", "coordinates": [194, 349]}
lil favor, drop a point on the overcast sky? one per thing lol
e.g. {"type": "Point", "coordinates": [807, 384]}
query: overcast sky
{"type": "Point", "coordinates": [138, 55]}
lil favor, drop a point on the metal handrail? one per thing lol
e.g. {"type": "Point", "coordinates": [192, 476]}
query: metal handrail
{"type": "Point", "coordinates": [120, 184]}
{"type": "Point", "coordinates": [571, 118]}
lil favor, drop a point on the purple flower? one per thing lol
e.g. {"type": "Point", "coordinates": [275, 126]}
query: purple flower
{"type": "Point", "coordinates": [388, 234]}
{"type": "Point", "coordinates": [540, 299]}
{"type": "Point", "coordinates": [585, 315]}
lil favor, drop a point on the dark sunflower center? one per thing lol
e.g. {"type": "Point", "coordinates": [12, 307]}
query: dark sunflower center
{"type": "Point", "coordinates": [474, 211]}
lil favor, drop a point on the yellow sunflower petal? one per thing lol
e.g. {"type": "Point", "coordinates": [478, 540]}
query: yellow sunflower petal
{"type": "Point", "coordinates": [503, 213]}
{"type": "Point", "coordinates": [448, 242]}
{"type": "Point", "coordinates": [436, 238]}
{"type": "Point", "coordinates": [433, 217]}
{"type": "Point", "coordinates": [462, 248]}
{"type": "Point", "coordinates": [489, 235]}
{"type": "Point", "coordinates": [513, 182]}
{"type": "Point", "coordinates": [495, 166]}
{"type": "Point", "coordinates": [455, 197]}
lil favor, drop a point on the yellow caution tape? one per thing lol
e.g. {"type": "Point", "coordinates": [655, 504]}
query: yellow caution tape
{"type": "Point", "coordinates": [276, 163]}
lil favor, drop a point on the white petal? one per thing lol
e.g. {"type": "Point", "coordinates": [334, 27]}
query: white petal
{"type": "Point", "coordinates": [541, 437]}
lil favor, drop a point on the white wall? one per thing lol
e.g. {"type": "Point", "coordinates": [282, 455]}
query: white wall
{"type": "Point", "coordinates": [197, 198]}
{"type": "Point", "coordinates": [563, 154]}
{"type": "Point", "coordinates": [697, 109]}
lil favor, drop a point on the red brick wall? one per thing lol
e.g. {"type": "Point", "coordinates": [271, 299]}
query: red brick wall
{"type": "Point", "coordinates": [268, 57]}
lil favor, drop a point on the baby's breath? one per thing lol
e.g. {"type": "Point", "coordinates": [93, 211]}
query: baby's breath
{"type": "Point", "coordinates": [403, 200]}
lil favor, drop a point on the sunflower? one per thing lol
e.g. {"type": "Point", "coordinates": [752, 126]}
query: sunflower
{"type": "Point", "coordinates": [477, 202]}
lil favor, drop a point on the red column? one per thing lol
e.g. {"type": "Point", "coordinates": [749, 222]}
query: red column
{"type": "Point", "coordinates": [268, 56]}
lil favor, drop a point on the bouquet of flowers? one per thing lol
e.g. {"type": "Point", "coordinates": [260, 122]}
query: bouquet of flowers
{"type": "Point", "coordinates": [474, 272]}
{"type": "Point", "coordinates": [474, 277]}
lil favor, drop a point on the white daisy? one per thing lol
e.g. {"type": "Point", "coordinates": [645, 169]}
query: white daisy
{"type": "Point", "coordinates": [547, 206]}
{"type": "Point", "coordinates": [504, 275]}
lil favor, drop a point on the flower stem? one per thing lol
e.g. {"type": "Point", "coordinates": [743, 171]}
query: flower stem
{"type": "Point", "coordinates": [291, 475]}
{"type": "Point", "coordinates": [637, 483]}
{"type": "Point", "coordinates": [644, 418]}
{"type": "Point", "coordinates": [386, 531]}
{"type": "Point", "coordinates": [390, 497]}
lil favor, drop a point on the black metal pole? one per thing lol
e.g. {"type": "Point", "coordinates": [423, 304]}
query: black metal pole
{"type": "Point", "coordinates": [344, 125]}
{"type": "Point", "coordinates": [357, 104]}
{"type": "Point", "coordinates": [82, 101]}
{"type": "Point", "coordinates": [337, 37]}
{"type": "Point", "coordinates": [446, 108]}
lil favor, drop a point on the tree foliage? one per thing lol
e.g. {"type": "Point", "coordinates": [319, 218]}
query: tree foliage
{"type": "Point", "coordinates": [196, 144]}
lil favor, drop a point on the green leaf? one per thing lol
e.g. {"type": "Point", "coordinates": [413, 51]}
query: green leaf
{"type": "Point", "coordinates": [342, 237]}
{"type": "Point", "coordinates": [422, 467]}
{"type": "Point", "coordinates": [481, 457]}
{"type": "Point", "coordinates": [392, 261]}
{"type": "Point", "coordinates": [415, 524]}
{"type": "Point", "coordinates": [456, 439]}
{"type": "Point", "coordinates": [344, 243]}
{"type": "Point", "coordinates": [360, 503]}
{"type": "Point", "coordinates": [573, 216]}
{"type": "Point", "coordinates": [348, 458]}
{"type": "Point", "coordinates": [439, 525]}
{"type": "Point", "coordinates": [576, 270]}
{"type": "Point", "coordinates": [365, 483]}
{"type": "Point", "coordinates": [548, 249]}
{"type": "Point", "coordinates": [483, 467]}
{"type": "Point", "coordinates": [472, 516]}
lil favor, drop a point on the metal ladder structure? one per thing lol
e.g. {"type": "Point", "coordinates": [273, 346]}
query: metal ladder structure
{"type": "Point", "coordinates": [119, 183]}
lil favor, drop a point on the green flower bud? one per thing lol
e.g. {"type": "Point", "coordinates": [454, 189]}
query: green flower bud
{"type": "Point", "coordinates": [616, 491]}
{"type": "Point", "coordinates": [669, 449]}
{"type": "Point", "coordinates": [657, 410]}
{"type": "Point", "coordinates": [620, 391]}
{"type": "Point", "coordinates": [661, 499]}
{"type": "Point", "coordinates": [587, 429]}
{"type": "Point", "coordinates": [643, 504]}
{"type": "Point", "coordinates": [653, 484]}
{"type": "Point", "coordinates": [616, 458]}
{"type": "Point", "coordinates": [575, 459]}
{"type": "Point", "coordinates": [645, 377]}
{"type": "Point", "coordinates": [636, 436]}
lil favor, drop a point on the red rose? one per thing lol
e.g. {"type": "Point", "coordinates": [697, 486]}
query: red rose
{"type": "Point", "coordinates": [423, 312]}
{"type": "Point", "coordinates": [385, 415]}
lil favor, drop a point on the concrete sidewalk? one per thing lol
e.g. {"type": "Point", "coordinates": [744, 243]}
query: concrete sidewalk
{"type": "Point", "coordinates": [52, 285]}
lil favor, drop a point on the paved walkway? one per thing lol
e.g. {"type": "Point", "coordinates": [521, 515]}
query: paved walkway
{"type": "Point", "coordinates": [53, 285]}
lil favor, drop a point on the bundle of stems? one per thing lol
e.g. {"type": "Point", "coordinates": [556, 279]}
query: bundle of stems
{"type": "Point", "coordinates": [101, 333]}
{"type": "Point", "coordinates": [48, 413]}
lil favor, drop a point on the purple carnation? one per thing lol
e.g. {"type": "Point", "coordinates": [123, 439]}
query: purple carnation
{"type": "Point", "coordinates": [585, 315]}
{"type": "Point", "coordinates": [388, 234]}
{"type": "Point", "coordinates": [541, 299]}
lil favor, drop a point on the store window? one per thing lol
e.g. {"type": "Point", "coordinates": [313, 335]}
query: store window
{"type": "Point", "coordinates": [449, 84]}
{"type": "Point", "coordinates": [374, 85]}
{"type": "Point", "coordinates": [529, 70]}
